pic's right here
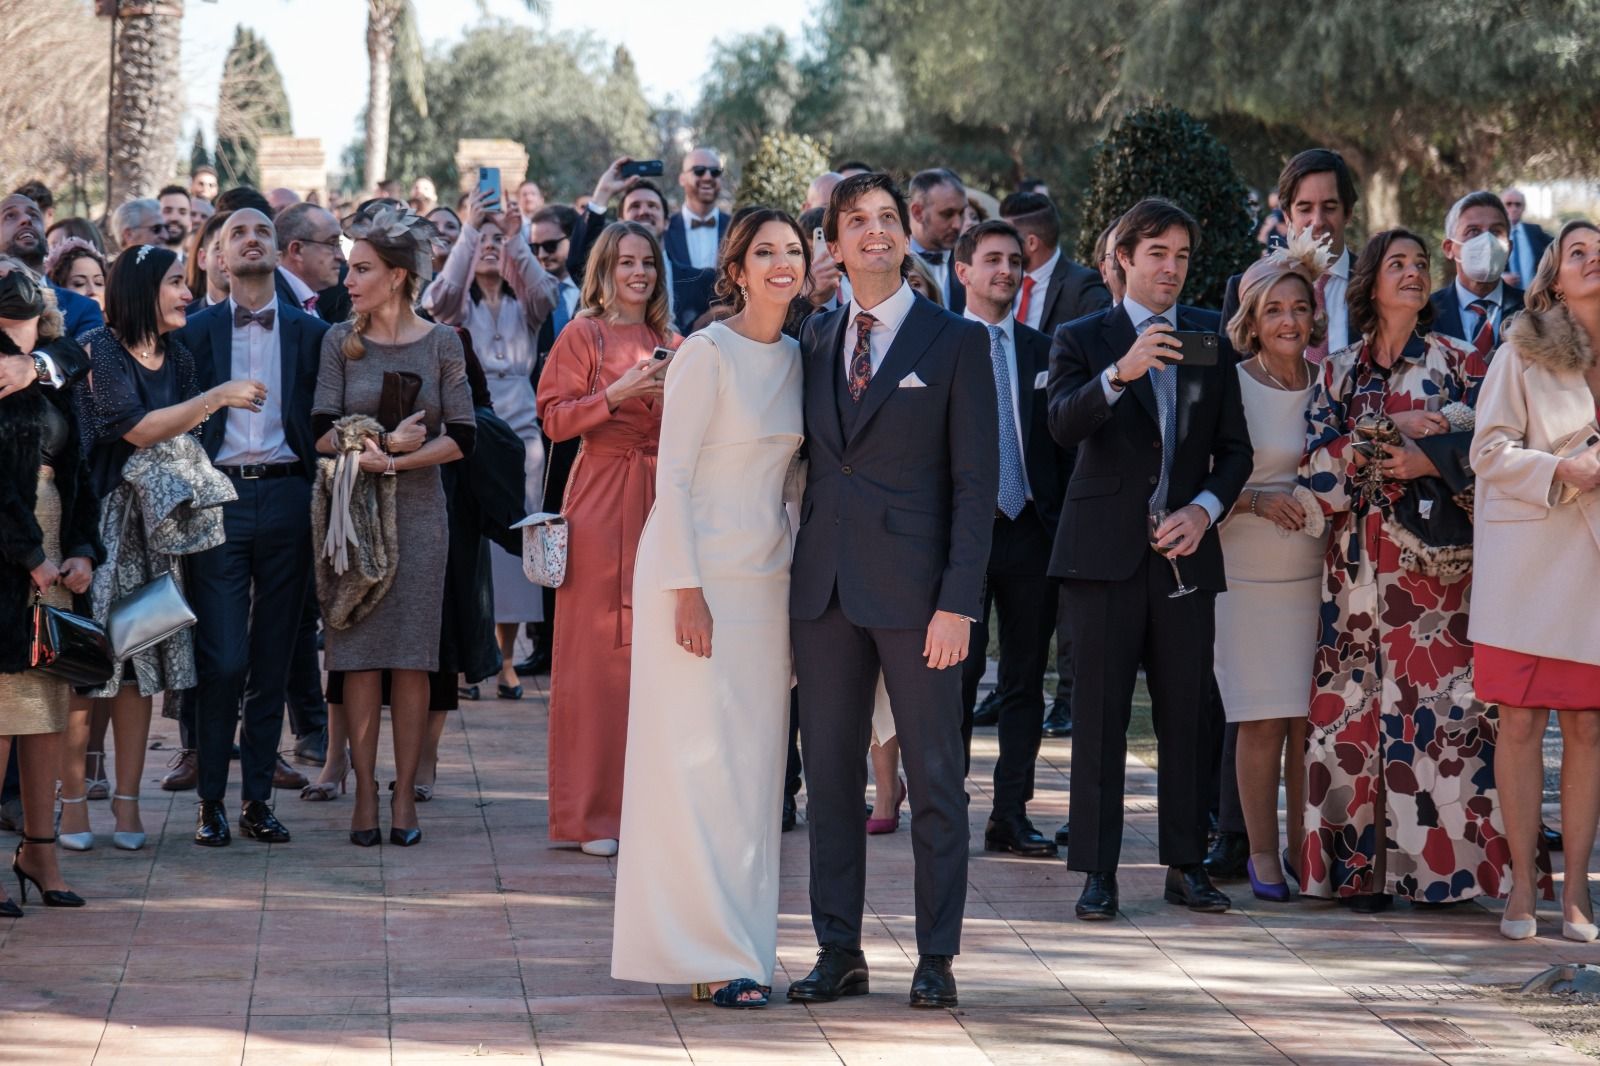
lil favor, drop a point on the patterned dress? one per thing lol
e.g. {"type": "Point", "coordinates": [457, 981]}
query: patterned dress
{"type": "Point", "coordinates": [1392, 684]}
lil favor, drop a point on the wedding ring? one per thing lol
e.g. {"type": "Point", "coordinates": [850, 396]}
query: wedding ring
{"type": "Point", "coordinates": [688, 644]}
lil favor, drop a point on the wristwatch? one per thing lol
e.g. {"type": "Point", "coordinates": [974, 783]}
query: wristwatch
{"type": "Point", "coordinates": [41, 368]}
{"type": "Point", "coordinates": [1114, 379]}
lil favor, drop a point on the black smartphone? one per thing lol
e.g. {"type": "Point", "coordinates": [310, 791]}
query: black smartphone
{"type": "Point", "coordinates": [643, 168]}
{"type": "Point", "coordinates": [1199, 348]}
{"type": "Point", "coordinates": [489, 178]}
{"type": "Point", "coordinates": [663, 355]}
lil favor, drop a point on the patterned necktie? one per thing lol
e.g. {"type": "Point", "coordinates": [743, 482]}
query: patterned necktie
{"type": "Point", "coordinates": [1483, 340]}
{"type": "Point", "coordinates": [1164, 380]}
{"type": "Point", "coordinates": [262, 318]}
{"type": "Point", "coordinates": [861, 358]}
{"type": "Point", "coordinates": [311, 304]}
{"type": "Point", "coordinates": [1013, 495]}
{"type": "Point", "coordinates": [1319, 351]}
{"type": "Point", "coordinates": [1022, 304]}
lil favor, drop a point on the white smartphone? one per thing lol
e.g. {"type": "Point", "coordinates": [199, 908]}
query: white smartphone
{"type": "Point", "coordinates": [819, 244]}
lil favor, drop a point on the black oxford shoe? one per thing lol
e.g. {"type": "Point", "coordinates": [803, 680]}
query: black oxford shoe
{"type": "Point", "coordinates": [258, 822]}
{"type": "Point", "coordinates": [1017, 836]}
{"type": "Point", "coordinates": [1190, 886]}
{"type": "Point", "coordinates": [1063, 835]}
{"type": "Point", "coordinates": [1098, 903]}
{"type": "Point", "coordinates": [1058, 723]}
{"type": "Point", "coordinates": [934, 983]}
{"type": "Point", "coordinates": [838, 972]}
{"type": "Point", "coordinates": [211, 825]}
{"type": "Point", "coordinates": [987, 712]}
{"type": "Point", "coordinates": [1229, 852]}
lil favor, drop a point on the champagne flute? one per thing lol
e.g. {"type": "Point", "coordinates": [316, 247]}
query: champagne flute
{"type": "Point", "coordinates": [1158, 517]}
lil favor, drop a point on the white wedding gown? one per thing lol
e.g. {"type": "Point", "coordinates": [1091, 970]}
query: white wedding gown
{"type": "Point", "coordinates": [702, 798]}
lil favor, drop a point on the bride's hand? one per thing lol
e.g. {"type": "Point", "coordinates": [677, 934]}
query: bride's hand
{"type": "Point", "coordinates": [692, 623]}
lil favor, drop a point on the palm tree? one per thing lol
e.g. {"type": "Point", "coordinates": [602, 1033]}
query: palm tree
{"type": "Point", "coordinates": [392, 35]}
{"type": "Point", "coordinates": [146, 97]}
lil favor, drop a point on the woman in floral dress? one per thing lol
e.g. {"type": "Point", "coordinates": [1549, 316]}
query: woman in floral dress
{"type": "Point", "coordinates": [1395, 728]}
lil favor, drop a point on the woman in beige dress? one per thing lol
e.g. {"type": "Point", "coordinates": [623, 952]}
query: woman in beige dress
{"type": "Point", "coordinates": [1266, 621]}
{"type": "Point", "coordinates": [708, 716]}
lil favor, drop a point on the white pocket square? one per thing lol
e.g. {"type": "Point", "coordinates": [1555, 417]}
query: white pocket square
{"type": "Point", "coordinates": [1040, 378]}
{"type": "Point", "coordinates": [911, 381]}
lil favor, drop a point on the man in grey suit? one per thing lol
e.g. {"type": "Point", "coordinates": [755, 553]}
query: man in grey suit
{"type": "Point", "coordinates": [902, 429]}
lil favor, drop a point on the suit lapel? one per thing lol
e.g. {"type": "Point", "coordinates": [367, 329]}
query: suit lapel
{"type": "Point", "coordinates": [918, 330]}
{"type": "Point", "coordinates": [1027, 369]}
{"type": "Point", "coordinates": [220, 331]}
{"type": "Point", "coordinates": [825, 357]}
{"type": "Point", "coordinates": [1191, 379]}
{"type": "Point", "coordinates": [1118, 334]}
{"type": "Point", "coordinates": [678, 240]}
{"type": "Point", "coordinates": [1052, 291]}
{"type": "Point", "coordinates": [288, 358]}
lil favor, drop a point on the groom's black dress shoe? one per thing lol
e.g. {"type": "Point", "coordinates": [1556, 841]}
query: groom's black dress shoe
{"type": "Point", "coordinates": [1190, 886]}
{"type": "Point", "coordinates": [211, 825]}
{"type": "Point", "coordinates": [1019, 837]}
{"type": "Point", "coordinates": [987, 712]}
{"type": "Point", "coordinates": [1225, 861]}
{"type": "Point", "coordinates": [1098, 903]}
{"type": "Point", "coordinates": [839, 972]}
{"type": "Point", "coordinates": [933, 985]}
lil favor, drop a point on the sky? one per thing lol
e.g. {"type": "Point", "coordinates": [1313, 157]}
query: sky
{"type": "Point", "coordinates": [320, 47]}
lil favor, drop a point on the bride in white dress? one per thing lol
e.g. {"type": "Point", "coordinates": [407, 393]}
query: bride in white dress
{"type": "Point", "coordinates": [697, 871]}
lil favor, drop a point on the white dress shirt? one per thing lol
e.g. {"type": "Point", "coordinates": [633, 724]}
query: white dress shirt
{"type": "Point", "coordinates": [302, 291]}
{"type": "Point", "coordinates": [702, 242]}
{"type": "Point", "coordinates": [250, 437]}
{"type": "Point", "coordinates": [1333, 300]}
{"type": "Point", "coordinates": [1041, 284]}
{"type": "Point", "coordinates": [1465, 298]}
{"type": "Point", "coordinates": [890, 314]}
{"type": "Point", "coordinates": [1137, 313]}
{"type": "Point", "coordinates": [1008, 344]}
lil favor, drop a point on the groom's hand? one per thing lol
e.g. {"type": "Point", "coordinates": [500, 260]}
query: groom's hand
{"type": "Point", "coordinates": [948, 635]}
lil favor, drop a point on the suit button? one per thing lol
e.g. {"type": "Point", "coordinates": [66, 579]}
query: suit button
{"type": "Point", "coordinates": [1154, 480]}
{"type": "Point", "coordinates": [1156, 444]}
{"type": "Point", "coordinates": [846, 470]}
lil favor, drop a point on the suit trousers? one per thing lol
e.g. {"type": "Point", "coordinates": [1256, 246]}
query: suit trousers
{"type": "Point", "coordinates": [1017, 588]}
{"type": "Point", "coordinates": [308, 710]}
{"type": "Point", "coordinates": [1117, 628]}
{"type": "Point", "coordinates": [248, 595]}
{"type": "Point", "coordinates": [837, 663]}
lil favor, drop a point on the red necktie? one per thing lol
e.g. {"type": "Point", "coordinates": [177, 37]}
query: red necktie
{"type": "Point", "coordinates": [1319, 351]}
{"type": "Point", "coordinates": [861, 358]}
{"type": "Point", "coordinates": [1483, 340]}
{"type": "Point", "coordinates": [1022, 304]}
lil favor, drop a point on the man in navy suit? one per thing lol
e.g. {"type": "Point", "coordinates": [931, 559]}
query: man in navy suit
{"type": "Point", "coordinates": [989, 261]}
{"type": "Point", "coordinates": [938, 202]}
{"type": "Point", "coordinates": [1153, 435]}
{"type": "Point", "coordinates": [249, 592]}
{"type": "Point", "coordinates": [889, 563]}
{"type": "Point", "coordinates": [1476, 305]}
{"type": "Point", "coordinates": [1528, 241]}
{"type": "Point", "coordinates": [694, 234]}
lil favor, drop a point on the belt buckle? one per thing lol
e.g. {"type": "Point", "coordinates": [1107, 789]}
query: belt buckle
{"type": "Point", "coordinates": [250, 472]}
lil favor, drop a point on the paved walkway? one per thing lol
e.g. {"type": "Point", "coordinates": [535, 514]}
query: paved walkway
{"type": "Point", "coordinates": [485, 942]}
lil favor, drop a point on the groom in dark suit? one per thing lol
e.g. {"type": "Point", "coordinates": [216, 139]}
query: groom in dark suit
{"type": "Point", "coordinates": [1152, 434]}
{"type": "Point", "coordinates": [902, 431]}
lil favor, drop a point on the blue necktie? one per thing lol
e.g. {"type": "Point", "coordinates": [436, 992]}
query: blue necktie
{"type": "Point", "coordinates": [1013, 494]}
{"type": "Point", "coordinates": [558, 314]}
{"type": "Point", "coordinates": [1164, 380]}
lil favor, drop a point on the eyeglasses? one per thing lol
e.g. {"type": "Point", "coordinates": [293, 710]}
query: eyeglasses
{"type": "Point", "coordinates": [702, 171]}
{"type": "Point", "coordinates": [331, 242]}
{"type": "Point", "coordinates": [547, 247]}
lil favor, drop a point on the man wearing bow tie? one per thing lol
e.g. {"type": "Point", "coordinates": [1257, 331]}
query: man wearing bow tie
{"type": "Point", "coordinates": [694, 235]}
{"type": "Point", "coordinates": [249, 591]}
{"type": "Point", "coordinates": [938, 202]}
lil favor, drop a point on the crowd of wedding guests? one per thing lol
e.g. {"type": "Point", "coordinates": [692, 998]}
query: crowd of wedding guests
{"type": "Point", "coordinates": [1344, 530]}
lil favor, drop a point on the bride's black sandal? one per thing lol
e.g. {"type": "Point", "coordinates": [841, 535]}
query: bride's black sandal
{"type": "Point", "coordinates": [732, 994]}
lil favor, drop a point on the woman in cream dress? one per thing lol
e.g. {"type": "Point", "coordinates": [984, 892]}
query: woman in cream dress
{"type": "Point", "coordinates": [697, 875]}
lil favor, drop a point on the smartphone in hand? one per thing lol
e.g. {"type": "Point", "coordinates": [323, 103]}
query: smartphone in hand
{"type": "Point", "coordinates": [643, 168]}
{"type": "Point", "coordinates": [1198, 347]}
{"type": "Point", "coordinates": [489, 179]}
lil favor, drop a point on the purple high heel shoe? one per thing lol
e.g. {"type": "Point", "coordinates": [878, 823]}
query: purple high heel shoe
{"type": "Point", "coordinates": [1288, 867]}
{"type": "Point", "coordinates": [1278, 893]}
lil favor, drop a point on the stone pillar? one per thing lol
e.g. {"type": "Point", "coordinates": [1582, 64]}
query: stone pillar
{"type": "Point", "coordinates": [296, 163]}
{"type": "Point", "coordinates": [509, 156]}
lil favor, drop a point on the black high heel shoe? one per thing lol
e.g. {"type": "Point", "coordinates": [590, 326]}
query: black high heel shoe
{"type": "Point", "coordinates": [366, 838]}
{"type": "Point", "coordinates": [52, 897]}
{"type": "Point", "coordinates": [402, 838]}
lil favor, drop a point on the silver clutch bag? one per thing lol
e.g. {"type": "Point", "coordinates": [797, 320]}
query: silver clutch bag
{"type": "Point", "coordinates": [146, 616]}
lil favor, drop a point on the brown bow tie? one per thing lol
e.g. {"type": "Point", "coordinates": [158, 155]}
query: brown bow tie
{"type": "Point", "coordinates": [263, 317]}
{"type": "Point", "coordinates": [701, 223]}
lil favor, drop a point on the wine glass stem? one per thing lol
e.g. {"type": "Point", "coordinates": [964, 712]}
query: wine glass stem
{"type": "Point", "coordinates": [1176, 576]}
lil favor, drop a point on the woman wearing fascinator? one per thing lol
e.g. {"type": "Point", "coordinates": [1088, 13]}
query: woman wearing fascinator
{"type": "Point", "coordinates": [390, 259]}
{"type": "Point", "coordinates": [1266, 621]}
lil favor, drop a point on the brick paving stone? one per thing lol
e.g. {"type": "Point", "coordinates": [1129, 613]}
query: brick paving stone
{"type": "Point", "coordinates": [488, 942]}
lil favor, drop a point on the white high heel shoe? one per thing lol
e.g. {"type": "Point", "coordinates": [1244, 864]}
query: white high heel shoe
{"type": "Point", "coordinates": [126, 841]}
{"type": "Point", "coordinates": [1582, 932]}
{"type": "Point", "coordinates": [1519, 928]}
{"type": "Point", "coordinates": [75, 841]}
{"type": "Point", "coordinates": [603, 848]}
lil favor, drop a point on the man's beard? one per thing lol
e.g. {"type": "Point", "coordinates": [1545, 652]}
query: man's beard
{"type": "Point", "coordinates": [251, 268]}
{"type": "Point", "coordinates": [32, 258]}
{"type": "Point", "coordinates": [176, 235]}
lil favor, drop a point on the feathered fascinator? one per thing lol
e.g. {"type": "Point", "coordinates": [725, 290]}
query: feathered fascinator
{"type": "Point", "coordinates": [71, 248]}
{"type": "Point", "coordinates": [1305, 254]}
{"type": "Point", "coordinates": [394, 227]}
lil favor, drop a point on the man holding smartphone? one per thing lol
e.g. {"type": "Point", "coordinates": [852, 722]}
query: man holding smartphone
{"type": "Point", "coordinates": [1178, 446]}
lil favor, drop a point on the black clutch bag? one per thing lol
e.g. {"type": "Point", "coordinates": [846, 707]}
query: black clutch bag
{"type": "Point", "coordinates": [69, 646]}
{"type": "Point", "coordinates": [398, 398]}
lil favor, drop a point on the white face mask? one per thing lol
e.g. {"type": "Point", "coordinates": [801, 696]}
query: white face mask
{"type": "Point", "coordinates": [1484, 257]}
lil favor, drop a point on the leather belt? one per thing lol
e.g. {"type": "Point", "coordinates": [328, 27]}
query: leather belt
{"type": "Point", "coordinates": [253, 471]}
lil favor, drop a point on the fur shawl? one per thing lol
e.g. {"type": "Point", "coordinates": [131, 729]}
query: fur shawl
{"type": "Point", "coordinates": [1552, 340]}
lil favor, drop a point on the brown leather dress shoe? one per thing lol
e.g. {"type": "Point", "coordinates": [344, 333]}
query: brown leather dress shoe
{"type": "Point", "coordinates": [286, 776]}
{"type": "Point", "coordinates": [184, 773]}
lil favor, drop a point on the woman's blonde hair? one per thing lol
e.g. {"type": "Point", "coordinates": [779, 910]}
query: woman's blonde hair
{"type": "Point", "coordinates": [1541, 295]}
{"type": "Point", "coordinates": [599, 296]}
{"type": "Point", "coordinates": [353, 347]}
{"type": "Point", "coordinates": [914, 265]}
{"type": "Point", "coordinates": [1253, 294]}
{"type": "Point", "coordinates": [51, 323]}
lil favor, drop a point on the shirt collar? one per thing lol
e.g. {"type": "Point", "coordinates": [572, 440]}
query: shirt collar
{"type": "Point", "coordinates": [270, 305]}
{"type": "Point", "coordinates": [1042, 275]}
{"type": "Point", "coordinates": [1137, 312]}
{"type": "Point", "coordinates": [891, 312]}
{"type": "Point", "coordinates": [690, 216]}
{"type": "Point", "coordinates": [1340, 268]}
{"type": "Point", "coordinates": [1008, 325]}
{"type": "Point", "coordinates": [1466, 297]}
{"type": "Point", "coordinates": [302, 291]}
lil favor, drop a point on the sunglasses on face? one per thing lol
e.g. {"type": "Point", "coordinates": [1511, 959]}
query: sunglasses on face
{"type": "Point", "coordinates": [700, 172]}
{"type": "Point", "coordinates": [546, 247]}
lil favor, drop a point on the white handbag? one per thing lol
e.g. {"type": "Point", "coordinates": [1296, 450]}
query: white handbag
{"type": "Point", "coordinates": [544, 549]}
